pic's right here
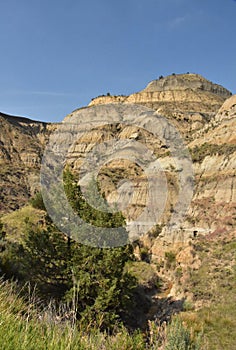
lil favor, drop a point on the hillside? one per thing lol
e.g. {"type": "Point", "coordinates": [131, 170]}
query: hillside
{"type": "Point", "coordinates": [202, 111]}
{"type": "Point", "coordinates": [22, 142]}
{"type": "Point", "coordinates": [189, 269]}
{"type": "Point", "coordinates": [205, 115]}
{"type": "Point", "coordinates": [189, 100]}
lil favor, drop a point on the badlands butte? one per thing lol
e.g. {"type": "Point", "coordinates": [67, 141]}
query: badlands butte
{"type": "Point", "coordinates": [204, 113]}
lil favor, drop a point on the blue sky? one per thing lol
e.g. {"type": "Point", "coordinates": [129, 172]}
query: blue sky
{"type": "Point", "coordinates": [58, 54]}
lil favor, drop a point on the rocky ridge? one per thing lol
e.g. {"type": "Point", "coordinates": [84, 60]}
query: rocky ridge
{"type": "Point", "coordinates": [189, 100]}
{"type": "Point", "coordinates": [203, 112]}
{"type": "Point", "coordinates": [190, 269]}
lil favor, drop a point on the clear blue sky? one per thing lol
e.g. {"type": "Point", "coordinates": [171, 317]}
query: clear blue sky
{"type": "Point", "coordinates": [58, 54]}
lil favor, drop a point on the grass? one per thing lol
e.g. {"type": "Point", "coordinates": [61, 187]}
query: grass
{"type": "Point", "coordinates": [16, 222]}
{"type": "Point", "coordinates": [23, 327]}
{"type": "Point", "coordinates": [214, 284]}
{"type": "Point", "coordinates": [144, 272]}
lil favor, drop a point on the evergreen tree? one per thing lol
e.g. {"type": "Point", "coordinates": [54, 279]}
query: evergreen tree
{"type": "Point", "coordinates": [92, 279]}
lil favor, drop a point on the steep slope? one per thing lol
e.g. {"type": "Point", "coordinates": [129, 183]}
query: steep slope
{"type": "Point", "coordinates": [197, 261]}
{"type": "Point", "coordinates": [189, 101]}
{"type": "Point", "coordinates": [22, 141]}
{"type": "Point", "coordinates": [214, 156]}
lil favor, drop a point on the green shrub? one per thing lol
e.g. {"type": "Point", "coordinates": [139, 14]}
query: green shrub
{"type": "Point", "coordinates": [179, 338]}
{"type": "Point", "coordinates": [156, 231]}
{"type": "Point", "coordinates": [170, 258]}
{"type": "Point", "coordinates": [179, 272]}
{"type": "Point", "coordinates": [144, 254]}
{"type": "Point", "coordinates": [37, 201]}
{"type": "Point", "coordinates": [198, 153]}
{"type": "Point", "coordinates": [188, 306]}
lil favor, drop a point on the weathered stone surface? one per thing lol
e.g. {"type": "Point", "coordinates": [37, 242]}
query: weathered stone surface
{"type": "Point", "coordinates": [191, 103]}
{"type": "Point", "coordinates": [214, 203]}
{"type": "Point", "coordinates": [189, 100]}
{"type": "Point", "coordinates": [107, 99]}
{"type": "Point", "coordinates": [22, 141]}
{"type": "Point", "coordinates": [205, 114]}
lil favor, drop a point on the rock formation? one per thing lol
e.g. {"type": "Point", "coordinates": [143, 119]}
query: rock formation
{"type": "Point", "coordinates": [203, 112]}
{"type": "Point", "coordinates": [188, 99]}
{"type": "Point", "coordinates": [22, 142]}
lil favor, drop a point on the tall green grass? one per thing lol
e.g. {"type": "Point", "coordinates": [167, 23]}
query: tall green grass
{"type": "Point", "coordinates": [23, 327]}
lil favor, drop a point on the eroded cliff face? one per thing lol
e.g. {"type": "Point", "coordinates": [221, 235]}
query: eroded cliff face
{"type": "Point", "coordinates": [203, 112]}
{"type": "Point", "coordinates": [212, 212]}
{"type": "Point", "coordinates": [194, 260]}
{"type": "Point", "coordinates": [214, 155]}
{"type": "Point", "coordinates": [22, 142]}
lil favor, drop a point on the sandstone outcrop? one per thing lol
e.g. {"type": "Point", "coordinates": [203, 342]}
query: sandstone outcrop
{"type": "Point", "coordinates": [22, 142]}
{"type": "Point", "coordinates": [203, 112]}
{"type": "Point", "coordinates": [214, 153]}
{"type": "Point", "coordinates": [205, 115]}
{"type": "Point", "coordinates": [189, 100]}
